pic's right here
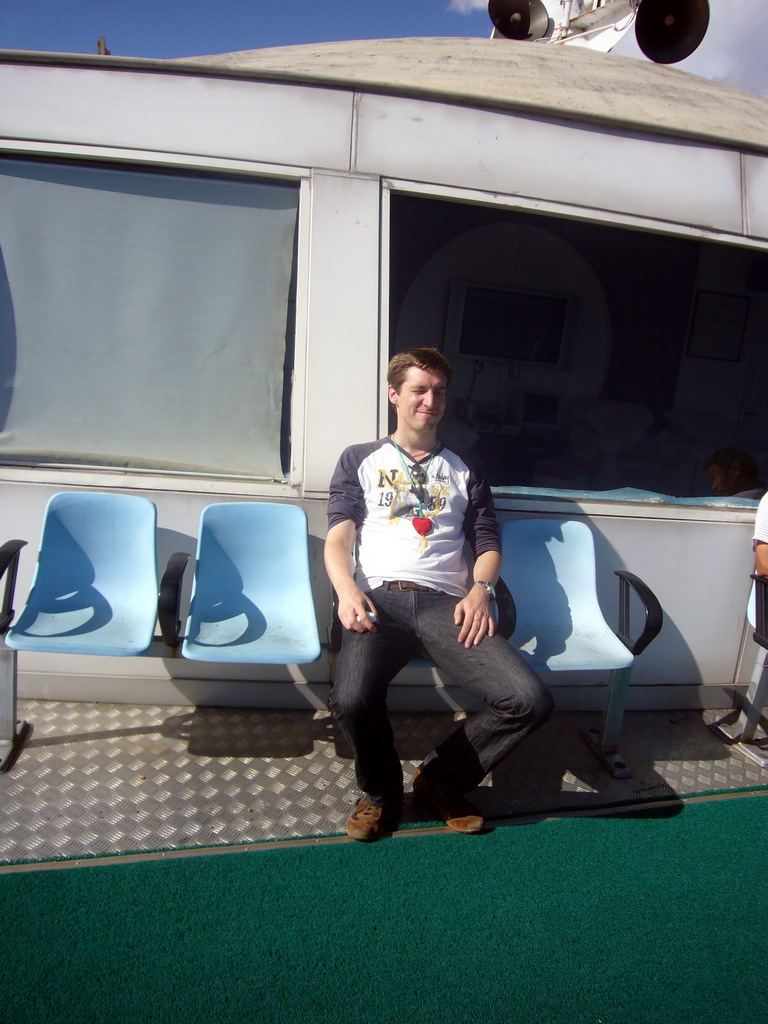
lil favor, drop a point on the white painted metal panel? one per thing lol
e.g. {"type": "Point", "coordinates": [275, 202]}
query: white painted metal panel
{"type": "Point", "coordinates": [284, 124]}
{"type": "Point", "coordinates": [587, 167]}
{"type": "Point", "coordinates": [756, 182]}
{"type": "Point", "coordinates": [700, 573]}
{"type": "Point", "coordinates": [342, 321]}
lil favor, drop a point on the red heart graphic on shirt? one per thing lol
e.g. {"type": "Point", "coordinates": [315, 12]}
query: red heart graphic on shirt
{"type": "Point", "coordinates": [421, 526]}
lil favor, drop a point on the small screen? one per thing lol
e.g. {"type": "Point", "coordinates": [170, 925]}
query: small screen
{"type": "Point", "coordinates": [541, 410]}
{"type": "Point", "coordinates": [509, 326]}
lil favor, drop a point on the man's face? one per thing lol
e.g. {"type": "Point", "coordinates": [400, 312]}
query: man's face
{"type": "Point", "coordinates": [724, 479]}
{"type": "Point", "coordinates": [420, 402]}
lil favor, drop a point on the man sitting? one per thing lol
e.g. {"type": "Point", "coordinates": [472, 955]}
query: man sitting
{"type": "Point", "coordinates": [405, 505]}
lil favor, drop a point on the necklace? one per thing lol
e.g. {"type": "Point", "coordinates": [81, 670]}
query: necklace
{"type": "Point", "coordinates": [421, 524]}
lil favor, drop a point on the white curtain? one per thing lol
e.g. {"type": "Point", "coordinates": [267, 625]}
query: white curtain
{"type": "Point", "coordinates": [143, 318]}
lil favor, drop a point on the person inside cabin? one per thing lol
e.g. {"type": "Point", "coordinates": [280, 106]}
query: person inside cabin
{"type": "Point", "coordinates": [760, 537]}
{"type": "Point", "coordinates": [400, 511]}
{"type": "Point", "coordinates": [733, 473]}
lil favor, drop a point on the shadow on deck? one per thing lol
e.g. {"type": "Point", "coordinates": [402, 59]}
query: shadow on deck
{"type": "Point", "coordinates": [98, 779]}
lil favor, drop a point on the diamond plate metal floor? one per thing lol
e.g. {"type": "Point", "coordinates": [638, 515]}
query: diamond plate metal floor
{"type": "Point", "coordinates": [99, 779]}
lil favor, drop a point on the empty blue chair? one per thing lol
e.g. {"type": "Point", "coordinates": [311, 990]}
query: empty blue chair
{"type": "Point", "coordinates": [95, 588]}
{"type": "Point", "coordinates": [252, 598]}
{"type": "Point", "coordinates": [549, 565]}
{"type": "Point", "coordinates": [94, 591]}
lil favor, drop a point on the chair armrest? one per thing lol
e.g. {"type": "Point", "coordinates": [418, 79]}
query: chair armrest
{"type": "Point", "coordinates": [760, 634]}
{"type": "Point", "coordinates": [334, 629]}
{"type": "Point", "coordinates": [654, 616]}
{"type": "Point", "coordinates": [169, 598]}
{"type": "Point", "coordinates": [506, 612]}
{"type": "Point", "coordinates": [9, 563]}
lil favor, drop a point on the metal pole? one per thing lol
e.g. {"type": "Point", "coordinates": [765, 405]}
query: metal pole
{"type": "Point", "coordinates": [13, 733]}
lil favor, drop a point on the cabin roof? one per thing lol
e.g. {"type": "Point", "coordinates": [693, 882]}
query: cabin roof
{"type": "Point", "coordinates": [568, 83]}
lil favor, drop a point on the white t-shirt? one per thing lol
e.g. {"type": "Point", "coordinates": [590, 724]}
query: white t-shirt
{"type": "Point", "coordinates": [761, 523]}
{"type": "Point", "coordinates": [372, 487]}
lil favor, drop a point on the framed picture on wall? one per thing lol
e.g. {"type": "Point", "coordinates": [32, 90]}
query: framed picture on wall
{"type": "Point", "coordinates": [718, 325]}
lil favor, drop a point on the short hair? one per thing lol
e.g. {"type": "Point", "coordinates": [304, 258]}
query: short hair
{"type": "Point", "coordinates": [431, 360]}
{"type": "Point", "coordinates": [726, 457]}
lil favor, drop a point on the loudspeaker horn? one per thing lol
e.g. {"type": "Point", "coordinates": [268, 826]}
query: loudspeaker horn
{"type": "Point", "coordinates": [519, 19]}
{"type": "Point", "coordinates": [670, 30]}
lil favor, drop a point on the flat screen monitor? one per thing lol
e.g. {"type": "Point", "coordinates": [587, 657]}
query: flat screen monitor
{"type": "Point", "coordinates": [500, 325]}
{"type": "Point", "coordinates": [541, 411]}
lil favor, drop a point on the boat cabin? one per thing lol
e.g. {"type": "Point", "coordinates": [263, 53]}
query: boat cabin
{"type": "Point", "coordinates": [206, 264]}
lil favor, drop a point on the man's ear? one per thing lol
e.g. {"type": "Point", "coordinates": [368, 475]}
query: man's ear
{"type": "Point", "coordinates": [391, 394]}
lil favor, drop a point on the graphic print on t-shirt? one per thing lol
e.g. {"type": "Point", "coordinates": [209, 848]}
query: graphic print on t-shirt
{"type": "Point", "coordinates": [419, 496]}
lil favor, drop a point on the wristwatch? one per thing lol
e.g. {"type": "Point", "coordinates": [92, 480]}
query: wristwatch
{"type": "Point", "coordinates": [488, 586]}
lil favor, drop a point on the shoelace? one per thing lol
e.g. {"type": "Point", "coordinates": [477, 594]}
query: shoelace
{"type": "Point", "coordinates": [367, 811]}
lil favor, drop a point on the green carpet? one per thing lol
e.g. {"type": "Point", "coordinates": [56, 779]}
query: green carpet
{"type": "Point", "coordinates": [644, 917]}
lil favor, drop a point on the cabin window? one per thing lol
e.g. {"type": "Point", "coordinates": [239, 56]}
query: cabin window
{"type": "Point", "coordinates": [586, 357]}
{"type": "Point", "coordinates": [145, 319]}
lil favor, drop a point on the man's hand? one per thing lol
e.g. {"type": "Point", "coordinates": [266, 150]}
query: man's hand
{"type": "Point", "coordinates": [356, 610]}
{"type": "Point", "coordinates": [473, 615]}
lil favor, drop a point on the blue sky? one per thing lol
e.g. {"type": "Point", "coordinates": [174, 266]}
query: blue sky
{"type": "Point", "coordinates": [732, 52]}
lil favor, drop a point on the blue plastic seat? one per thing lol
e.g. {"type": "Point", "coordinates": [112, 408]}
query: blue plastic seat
{"type": "Point", "coordinates": [95, 588]}
{"type": "Point", "coordinates": [560, 625]}
{"type": "Point", "coordinates": [252, 598]}
{"type": "Point", "coordinates": [549, 565]}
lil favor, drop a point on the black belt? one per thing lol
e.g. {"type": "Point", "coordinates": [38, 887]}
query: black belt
{"type": "Point", "coordinates": [408, 585]}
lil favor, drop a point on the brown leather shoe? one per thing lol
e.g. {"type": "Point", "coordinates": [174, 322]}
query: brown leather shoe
{"type": "Point", "coordinates": [369, 821]}
{"type": "Point", "coordinates": [455, 810]}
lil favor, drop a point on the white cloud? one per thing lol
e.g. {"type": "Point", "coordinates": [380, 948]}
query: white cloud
{"type": "Point", "coordinates": [733, 50]}
{"type": "Point", "coordinates": [467, 6]}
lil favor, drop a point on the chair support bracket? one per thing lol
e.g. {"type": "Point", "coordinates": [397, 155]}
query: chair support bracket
{"type": "Point", "coordinates": [612, 759]}
{"type": "Point", "coordinates": [733, 735]}
{"type": "Point", "coordinates": [13, 732]}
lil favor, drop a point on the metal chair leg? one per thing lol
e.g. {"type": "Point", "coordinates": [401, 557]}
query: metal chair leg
{"type": "Point", "coordinates": [605, 746]}
{"type": "Point", "coordinates": [13, 733]}
{"type": "Point", "coordinates": [741, 733]}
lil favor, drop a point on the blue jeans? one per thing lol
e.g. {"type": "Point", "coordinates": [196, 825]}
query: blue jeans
{"type": "Point", "coordinates": [416, 624]}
